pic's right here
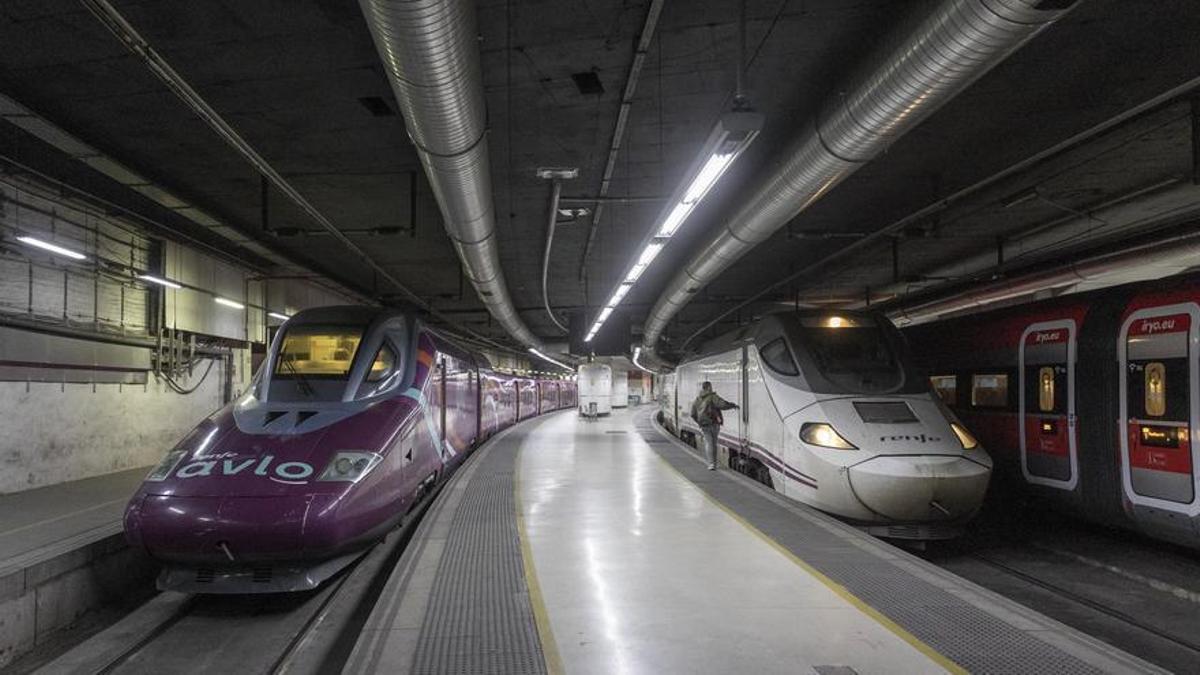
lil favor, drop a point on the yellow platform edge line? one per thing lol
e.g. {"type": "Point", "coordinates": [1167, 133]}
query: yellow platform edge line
{"type": "Point", "coordinates": [541, 617]}
{"type": "Point", "coordinates": [840, 590]}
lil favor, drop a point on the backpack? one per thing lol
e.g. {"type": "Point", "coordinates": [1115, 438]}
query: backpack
{"type": "Point", "coordinates": [710, 414]}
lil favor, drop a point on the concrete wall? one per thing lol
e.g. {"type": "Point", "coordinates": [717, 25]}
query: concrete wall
{"type": "Point", "coordinates": [53, 432]}
{"type": "Point", "coordinates": [38, 600]}
{"type": "Point", "coordinates": [61, 420]}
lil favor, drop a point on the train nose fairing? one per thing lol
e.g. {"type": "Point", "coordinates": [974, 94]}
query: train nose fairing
{"type": "Point", "coordinates": [908, 463]}
{"type": "Point", "coordinates": [920, 489]}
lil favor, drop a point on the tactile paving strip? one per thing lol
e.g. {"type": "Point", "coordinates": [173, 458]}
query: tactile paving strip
{"type": "Point", "coordinates": [479, 618]}
{"type": "Point", "coordinates": [963, 633]}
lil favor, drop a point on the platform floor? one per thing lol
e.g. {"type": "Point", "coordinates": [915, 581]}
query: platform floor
{"type": "Point", "coordinates": [64, 515]}
{"type": "Point", "coordinates": [606, 547]}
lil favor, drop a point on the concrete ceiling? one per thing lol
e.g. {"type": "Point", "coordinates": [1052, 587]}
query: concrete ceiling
{"type": "Point", "coordinates": [300, 80]}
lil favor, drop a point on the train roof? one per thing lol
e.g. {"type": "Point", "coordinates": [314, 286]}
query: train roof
{"type": "Point", "coordinates": [770, 326]}
{"type": "Point", "coordinates": [343, 314]}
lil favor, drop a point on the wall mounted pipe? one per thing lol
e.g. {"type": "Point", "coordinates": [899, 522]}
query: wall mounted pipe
{"type": "Point", "coordinates": [551, 222]}
{"type": "Point", "coordinates": [430, 52]}
{"type": "Point", "coordinates": [1169, 255]}
{"type": "Point", "coordinates": [947, 51]}
{"type": "Point", "coordinates": [1179, 200]}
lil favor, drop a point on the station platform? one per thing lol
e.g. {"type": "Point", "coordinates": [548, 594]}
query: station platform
{"type": "Point", "coordinates": [62, 553]}
{"type": "Point", "coordinates": [64, 515]}
{"type": "Point", "coordinates": [566, 545]}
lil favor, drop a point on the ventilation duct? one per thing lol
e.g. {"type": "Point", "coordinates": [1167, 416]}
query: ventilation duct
{"type": "Point", "coordinates": [946, 52]}
{"type": "Point", "coordinates": [430, 52]}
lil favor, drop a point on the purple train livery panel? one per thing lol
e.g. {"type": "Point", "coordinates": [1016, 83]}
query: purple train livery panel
{"type": "Point", "coordinates": [355, 415]}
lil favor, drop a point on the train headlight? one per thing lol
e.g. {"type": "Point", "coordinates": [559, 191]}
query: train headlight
{"type": "Point", "coordinates": [822, 434]}
{"type": "Point", "coordinates": [166, 466]}
{"type": "Point", "coordinates": [968, 441]}
{"type": "Point", "coordinates": [350, 466]}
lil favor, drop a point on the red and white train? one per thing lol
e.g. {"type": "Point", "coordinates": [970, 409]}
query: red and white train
{"type": "Point", "coordinates": [1091, 400]}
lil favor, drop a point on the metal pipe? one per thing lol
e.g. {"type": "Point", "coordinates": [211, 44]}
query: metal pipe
{"type": "Point", "coordinates": [631, 82]}
{"type": "Point", "coordinates": [1177, 253]}
{"type": "Point", "coordinates": [612, 200]}
{"type": "Point", "coordinates": [129, 36]}
{"type": "Point", "coordinates": [951, 48]}
{"type": "Point", "coordinates": [430, 53]}
{"type": "Point", "coordinates": [1110, 124]}
{"type": "Point", "coordinates": [1114, 216]}
{"type": "Point", "coordinates": [555, 193]}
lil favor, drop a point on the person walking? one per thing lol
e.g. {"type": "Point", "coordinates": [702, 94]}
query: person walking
{"type": "Point", "coordinates": [706, 411]}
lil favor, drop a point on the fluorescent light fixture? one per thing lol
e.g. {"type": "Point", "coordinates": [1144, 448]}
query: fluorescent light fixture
{"type": "Point", "coordinates": [619, 295]}
{"type": "Point", "coordinates": [732, 134]}
{"type": "Point", "coordinates": [650, 252]}
{"type": "Point", "coordinates": [228, 303]}
{"type": "Point", "coordinates": [53, 248]}
{"type": "Point", "coordinates": [648, 255]}
{"type": "Point", "coordinates": [674, 219]}
{"type": "Point", "coordinates": [542, 356]}
{"type": "Point", "coordinates": [277, 315]}
{"type": "Point", "coordinates": [713, 169]}
{"type": "Point", "coordinates": [159, 280]}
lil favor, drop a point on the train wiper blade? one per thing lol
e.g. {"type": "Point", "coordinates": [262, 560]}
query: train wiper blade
{"type": "Point", "coordinates": [301, 381]}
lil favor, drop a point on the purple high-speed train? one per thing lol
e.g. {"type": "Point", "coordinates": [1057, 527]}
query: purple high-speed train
{"type": "Point", "coordinates": [356, 413]}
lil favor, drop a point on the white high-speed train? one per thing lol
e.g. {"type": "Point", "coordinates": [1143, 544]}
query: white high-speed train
{"type": "Point", "coordinates": [833, 415]}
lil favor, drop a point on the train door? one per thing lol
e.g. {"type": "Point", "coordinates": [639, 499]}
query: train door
{"type": "Point", "coordinates": [675, 400]}
{"type": "Point", "coordinates": [480, 432]}
{"type": "Point", "coordinates": [1046, 404]}
{"type": "Point", "coordinates": [743, 412]}
{"type": "Point", "coordinates": [439, 386]}
{"type": "Point", "coordinates": [765, 443]}
{"type": "Point", "coordinates": [1159, 407]}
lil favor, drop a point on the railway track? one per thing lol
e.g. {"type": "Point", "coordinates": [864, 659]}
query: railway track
{"type": "Point", "coordinates": [1135, 594]}
{"type": "Point", "coordinates": [1077, 598]}
{"type": "Point", "coordinates": [292, 633]}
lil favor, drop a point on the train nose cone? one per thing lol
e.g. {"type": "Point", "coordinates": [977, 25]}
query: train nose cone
{"type": "Point", "coordinates": [223, 530]}
{"type": "Point", "coordinates": [921, 488]}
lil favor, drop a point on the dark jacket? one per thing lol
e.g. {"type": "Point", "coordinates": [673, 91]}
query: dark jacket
{"type": "Point", "coordinates": [706, 409]}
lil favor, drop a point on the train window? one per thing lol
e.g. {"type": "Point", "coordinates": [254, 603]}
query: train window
{"type": "Point", "coordinates": [317, 351]}
{"type": "Point", "coordinates": [383, 365]}
{"type": "Point", "coordinates": [1162, 387]}
{"type": "Point", "coordinates": [989, 390]}
{"type": "Point", "coordinates": [1046, 389]}
{"type": "Point", "coordinates": [946, 387]}
{"type": "Point", "coordinates": [1156, 389]}
{"type": "Point", "coordinates": [778, 358]}
{"type": "Point", "coordinates": [856, 354]}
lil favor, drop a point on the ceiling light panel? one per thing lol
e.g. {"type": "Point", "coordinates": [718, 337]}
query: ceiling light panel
{"type": "Point", "coordinates": [728, 139]}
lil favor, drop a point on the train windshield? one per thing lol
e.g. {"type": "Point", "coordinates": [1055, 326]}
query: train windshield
{"type": "Point", "coordinates": [854, 355]}
{"type": "Point", "coordinates": [318, 351]}
{"type": "Point", "coordinates": [314, 362]}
